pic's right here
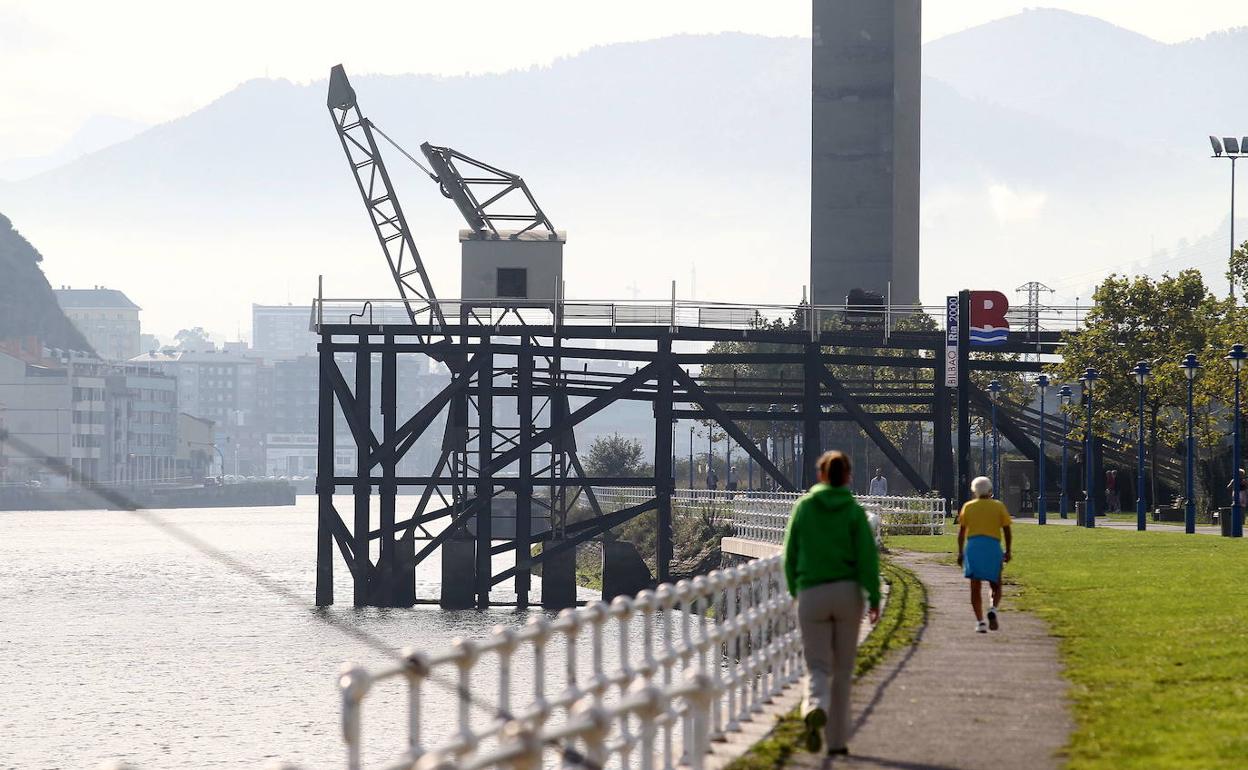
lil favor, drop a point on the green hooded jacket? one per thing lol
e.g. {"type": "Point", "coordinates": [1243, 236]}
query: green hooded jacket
{"type": "Point", "coordinates": [827, 539]}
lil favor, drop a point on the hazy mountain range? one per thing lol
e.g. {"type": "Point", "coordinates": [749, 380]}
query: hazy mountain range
{"type": "Point", "coordinates": [1056, 147]}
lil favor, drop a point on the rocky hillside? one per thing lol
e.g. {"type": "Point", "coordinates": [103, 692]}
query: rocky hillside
{"type": "Point", "coordinates": [27, 306]}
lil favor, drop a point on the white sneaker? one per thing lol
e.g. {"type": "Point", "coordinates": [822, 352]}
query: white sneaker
{"type": "Point", "coordinates": [992, 620]}
{"type": "Point", "coordinates": [981, 627]}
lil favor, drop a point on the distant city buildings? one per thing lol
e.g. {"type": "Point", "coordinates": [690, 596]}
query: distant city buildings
{"type": "Point", "coordinates": [282, 332]}
{"type": "Point", "coordinates": [108, 423]}
{"type": "Point", "coordinates": [213, 384]}
{"type": "Point", "coordinates": [195, 451]}
{"type": "Point", "coordinates": [106, 317]}
{"type": "Point", "coordinates": [181, 413]}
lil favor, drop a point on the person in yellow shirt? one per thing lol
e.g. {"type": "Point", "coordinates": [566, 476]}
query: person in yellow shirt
{"type": "Point", "coordinates": [982, 523]}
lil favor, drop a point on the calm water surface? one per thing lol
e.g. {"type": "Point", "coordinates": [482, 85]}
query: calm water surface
{"type": "Point", "coordinates": [119, 642]}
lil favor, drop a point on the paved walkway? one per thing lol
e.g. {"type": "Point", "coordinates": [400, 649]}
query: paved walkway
{"type": "Point", "coordinates": [959, 699]}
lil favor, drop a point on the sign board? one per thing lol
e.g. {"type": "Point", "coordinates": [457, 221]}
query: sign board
{"type": "Point", "coordinates": [989, 326]}
{"type": "Point", "coordinates": [951, 341]}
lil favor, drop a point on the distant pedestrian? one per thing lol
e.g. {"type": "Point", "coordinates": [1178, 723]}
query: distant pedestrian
{"type": "Point", "coordinates": [1112, 498]}
{"type": "Point", "coordinates": [879, 484]}
{"type": "Point", "coordinates": [981, 525]}
{"type": "Point", "coordinates": [830, 560]}
{"type": "Point", "coordinates": [1243, 489]}
{"type": "Point", "coordinates": [712, 479]}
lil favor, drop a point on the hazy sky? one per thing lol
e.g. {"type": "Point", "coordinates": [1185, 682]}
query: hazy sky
{"type": "Point", "coordinates": [62, 61]}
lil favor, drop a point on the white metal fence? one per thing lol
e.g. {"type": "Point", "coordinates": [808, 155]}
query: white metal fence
{"type": "Point", "coordinates": [762, 516]}
{"type": "Point", "coordinates": [692, 661]}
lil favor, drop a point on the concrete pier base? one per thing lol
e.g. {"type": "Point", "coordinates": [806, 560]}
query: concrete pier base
{"type": "Point", "coordinates": [559, 579]}
{"type": "Point", "coordinates": [624, 572]}
{"type": "Point", "coordinates": [459, 559]}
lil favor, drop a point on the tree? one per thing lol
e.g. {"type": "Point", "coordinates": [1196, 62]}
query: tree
{"type": "Point", "coordinates": [615, 456]}
{"type": "Point", "coordinates": [1158, 321]}
{"type": "Point", "coordinates": [193, 339]}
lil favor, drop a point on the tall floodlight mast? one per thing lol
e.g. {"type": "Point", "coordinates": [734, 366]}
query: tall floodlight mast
{"type": "Point", "coordinates": [356, 134]}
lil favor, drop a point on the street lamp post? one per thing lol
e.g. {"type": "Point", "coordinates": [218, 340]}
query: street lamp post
{"type": "Point", "coordinates": [1141, 372]}
{"type": "Point", "coordinates": [1236, 356]}
{"type": "Point", "coordinates": [1089, 378]}
{"type": "Point", "coordinates": [1042, 500]}
{"type": "Point", "coordinates": [1065, 395]}
{"type": "Point", "coordinates": [994, 392]}
{"type": "Point", "coordinates": [1232, 149]}
{"type": "Point", "coordinates": [710, 454]}
{"type": "Point", "coordinates": [691, 457]}
{"type": "Point", "coordinates": [1190, 367]}
{"type": "Point", "coordinates": [983, 450]}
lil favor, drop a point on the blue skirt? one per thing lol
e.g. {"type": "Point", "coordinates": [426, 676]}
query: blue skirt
{"type": "Point", "coordinates": [982, 559]}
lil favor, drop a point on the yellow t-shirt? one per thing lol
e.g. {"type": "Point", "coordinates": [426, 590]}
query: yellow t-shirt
{"type": "Point", "coordinates": [984, 516]}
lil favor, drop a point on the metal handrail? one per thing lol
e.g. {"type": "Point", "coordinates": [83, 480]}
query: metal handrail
{"type": "Point", "coordinates": [763, 516]}
{"type": "Point", "coordinates": [664, 312]}
{"type": "Point", "coordinates": [712, 651]}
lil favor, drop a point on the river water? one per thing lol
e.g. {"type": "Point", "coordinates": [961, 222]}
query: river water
{"type": "Point", "coordinates": [118, 642]}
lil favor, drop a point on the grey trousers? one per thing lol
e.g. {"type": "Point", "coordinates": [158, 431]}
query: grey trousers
{"type": "Point", "coordinates": [829, 616]}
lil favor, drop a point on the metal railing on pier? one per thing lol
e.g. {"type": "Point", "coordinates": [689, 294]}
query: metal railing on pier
{"type": "Point", "coordinates": [662, 312]}
{"type": "Point", "coordinates": [762, 516]}
{"type": "Point", "coordinates": [692, 662]}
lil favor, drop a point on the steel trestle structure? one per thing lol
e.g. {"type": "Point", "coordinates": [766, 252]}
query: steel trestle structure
{"type": "Point", "coordinates": [507, 474]}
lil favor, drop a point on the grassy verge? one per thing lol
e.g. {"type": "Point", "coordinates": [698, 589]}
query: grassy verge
{"type": "Point", "coordinates": [900, 623]}
{"type": "Point", "coordinates": [1152, 635]}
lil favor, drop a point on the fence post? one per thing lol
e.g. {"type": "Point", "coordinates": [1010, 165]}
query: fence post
{"type": "Point", "coordinates": [353, 685]}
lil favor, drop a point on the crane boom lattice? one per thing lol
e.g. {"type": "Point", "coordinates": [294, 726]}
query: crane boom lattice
{"type": "Point", "coordinates": [384, 210]}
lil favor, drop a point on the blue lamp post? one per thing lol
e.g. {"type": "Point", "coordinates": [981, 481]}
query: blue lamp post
{"type": "Point", "coordinates": [994, 392]}
{"type": "Point", "coordinates": [1236, 356]}
{"type": "Point", "coordinates": [1042, 513]}
{"type": "Point", "coordinates": [1190, 367]}
{"type": "Point", "coordinates": [983, 450]}
{"type": "Point", "coordinates": [1065, 395]}
{"type": "Point", "coordinates": [1089, 378]}
{"type": "Point", "coordinates": [1141, 372]}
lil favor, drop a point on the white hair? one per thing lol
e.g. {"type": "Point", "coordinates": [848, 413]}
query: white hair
{"type": "Point", "coordinates": [981, 486]}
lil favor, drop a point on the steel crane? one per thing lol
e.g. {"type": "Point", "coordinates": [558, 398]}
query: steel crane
{"type": "Point", "coordinates": [356, 133]}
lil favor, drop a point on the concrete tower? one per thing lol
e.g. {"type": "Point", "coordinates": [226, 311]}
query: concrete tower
{"type": "Point", "coordinates": [864, 187]}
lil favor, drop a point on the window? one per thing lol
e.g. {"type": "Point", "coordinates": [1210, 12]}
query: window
{"type": "Point", "coordinates": [513, 282]}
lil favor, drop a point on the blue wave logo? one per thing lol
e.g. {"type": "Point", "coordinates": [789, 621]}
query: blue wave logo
{"type": "Point", "coordinates": [989, 336]}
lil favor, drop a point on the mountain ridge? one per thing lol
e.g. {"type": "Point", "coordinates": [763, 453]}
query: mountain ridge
{"type": "Point", "coordinates": [659, 157]}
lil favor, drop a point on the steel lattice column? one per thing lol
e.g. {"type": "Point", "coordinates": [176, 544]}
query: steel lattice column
{"type": "Point", "coordinates": [485, 474]}
{"type": "Point", "coordinates": [663, 481]}
{"type": "Point", "coordinates": [325, 512]}
{"type": "Point", "coordinates": [363, 469]}
{"type": "Point", "coordinates": [811, 435]}
{"type": "Point", "coordinates": [524, 492]}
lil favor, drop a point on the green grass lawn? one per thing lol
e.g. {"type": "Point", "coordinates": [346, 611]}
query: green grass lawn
{"type": "Point", "coordinates": [1154, 635]}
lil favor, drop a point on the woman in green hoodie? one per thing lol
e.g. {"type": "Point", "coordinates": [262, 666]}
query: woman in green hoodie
{"type": "Point", "coordinates": [830, 562]}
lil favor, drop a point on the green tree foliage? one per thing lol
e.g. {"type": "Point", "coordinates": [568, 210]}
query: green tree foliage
{"type": "Point", "coordinates": [193, 339]}
{"type": "Point", "coordinates": [615, 455]}
{"type": "Point", "coordinates": [1238, 272]}
{"type": "Point", "coordinates": [1142, 319]}
{"type": "Point", "coordinates": [1158, 321]}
